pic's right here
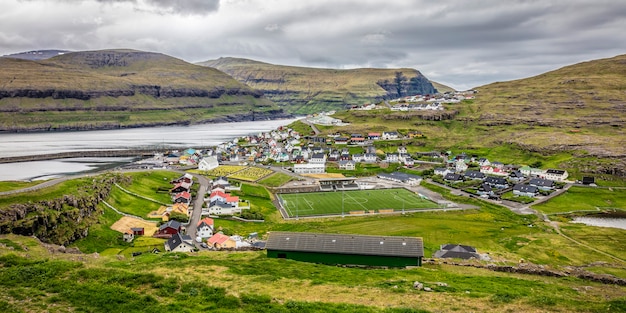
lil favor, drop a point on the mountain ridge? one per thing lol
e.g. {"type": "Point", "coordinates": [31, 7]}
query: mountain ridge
{"type": "Point", "coordinates": [310, 90]}
{"type": "Point", "coordinates": [123, 87]}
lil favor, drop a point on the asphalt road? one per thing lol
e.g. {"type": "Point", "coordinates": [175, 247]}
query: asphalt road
{"type": "Point", "coordinates": [198, 202]}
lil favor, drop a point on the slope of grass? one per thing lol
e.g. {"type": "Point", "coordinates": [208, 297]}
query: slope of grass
{"type": "Point", "coordinates": [133, 88]}
{"type": "Point", "coordinates": [585, 199]}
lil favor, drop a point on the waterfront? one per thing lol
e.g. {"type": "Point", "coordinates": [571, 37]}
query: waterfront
{"type": "Point", "coordinates": [22, 144]}
{"type": "Point", "coordinates": [175, 137]}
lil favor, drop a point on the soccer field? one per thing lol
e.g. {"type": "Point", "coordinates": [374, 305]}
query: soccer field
{"type": "Point", "coordinates": [329, 203]}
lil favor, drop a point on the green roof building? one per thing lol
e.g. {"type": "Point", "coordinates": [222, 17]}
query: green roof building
{"type": "Point", "coordinates": [346, 249]}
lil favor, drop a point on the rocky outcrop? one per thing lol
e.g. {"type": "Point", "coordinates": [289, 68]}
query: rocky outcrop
{"type": "Point", "coordinates": [401, 86]}
{"type": "Point", "coordinates": [311, 90]}
{"type": "Point", "coordinates": [60, 220]}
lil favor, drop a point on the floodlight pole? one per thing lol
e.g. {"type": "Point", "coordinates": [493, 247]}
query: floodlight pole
{"type": "Point", "coordinates": [296, 206]}
{"type": "Point", "coordinates": [342, 193]}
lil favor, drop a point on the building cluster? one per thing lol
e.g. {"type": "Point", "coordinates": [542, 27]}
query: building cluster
{"type": "Point", "coordinates": [496, 177]}
{"type": "Point", "coordinates": [206, 235]}
{"type": "Point", "coordinates": [220, 201]}
{"type": "Point", "coordinates": [429, 102]}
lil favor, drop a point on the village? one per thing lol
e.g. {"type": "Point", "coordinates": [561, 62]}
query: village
{"type": "Point", "coordinates": [320, 164]}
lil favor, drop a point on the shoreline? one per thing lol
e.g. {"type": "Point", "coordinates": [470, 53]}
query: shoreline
{"type": "Point", "coordinates": [232, 118]}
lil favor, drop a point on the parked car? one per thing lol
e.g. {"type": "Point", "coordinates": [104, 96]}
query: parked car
{"type": "Point", "coordinates": [204, 245]}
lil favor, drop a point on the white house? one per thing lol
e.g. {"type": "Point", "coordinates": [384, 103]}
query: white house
{"type": "Point", "coordinates": [530, 171]}
{"type": "Point", "coordinates": [389, 135]}
{"type": "Point", "coordinates": [370, 158]}
{"type": "Point", "coordinates": [557, 175]}
{"type": "Point", "coordinates": [318, 158]}
{"type": "Point", "coordinates": [205, 227]}
{"type": "Point", "coordinates": [179, 243]}
{"type": "Point", "coordinates": [460, 166]}
{"type": "Point", "coordinates": [309, 168]}
{"type": "Point", "coordinates": [347, 165]}
{"type": "Point", "coordinates": [221, 208]}
{"type": "Point", "coordinates": [208, 163]}
{"type": "Point", "coordinates": [442, 171]}
{"type": "Point", "coordinates": [392, 158]}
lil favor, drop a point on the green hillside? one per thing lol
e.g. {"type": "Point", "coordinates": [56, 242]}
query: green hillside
{"type": "Point", "coordinates": [117, 88]}
{"type": "Point", "coordinates": [311, 90]}
{"type": "Point", "coordinates": [573, 117]}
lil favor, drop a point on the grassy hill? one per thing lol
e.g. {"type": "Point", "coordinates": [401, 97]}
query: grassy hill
{"type": "Point", "coordinates": [573, 117]}
{"type": "Point", "coordinates": [311, 90]}
{"type": "Point", "coordinates": [48, 278]}
{"type": "Point", "coordinates": [117, 88]}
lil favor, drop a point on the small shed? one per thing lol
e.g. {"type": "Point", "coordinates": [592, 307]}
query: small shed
{"type": "Point", "coordinates": [346, 249]}
{"type": "Point", "coordinates": [137, 231]}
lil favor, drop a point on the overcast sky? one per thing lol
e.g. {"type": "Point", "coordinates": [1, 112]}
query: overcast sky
{"type": "Point", "coordinates": [462, 43]}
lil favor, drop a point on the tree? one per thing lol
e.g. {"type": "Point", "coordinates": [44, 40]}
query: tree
{"type": "Point", "coordinates": [536, 164]}
{"type": "Point", "coordinates": [180, 217]}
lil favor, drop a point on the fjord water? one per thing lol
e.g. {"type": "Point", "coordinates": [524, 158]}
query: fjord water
{"type": "Point", "coordinates": [175, 137]}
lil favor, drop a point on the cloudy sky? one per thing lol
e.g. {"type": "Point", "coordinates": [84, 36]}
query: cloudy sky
{"type": "Point", "coordinates": [460, 43]}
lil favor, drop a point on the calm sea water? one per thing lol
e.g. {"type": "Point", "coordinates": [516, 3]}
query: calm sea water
{"type": "Point", "coordinates": [132, 138]}
{"type": "Point", "coordinates": [615, 222]}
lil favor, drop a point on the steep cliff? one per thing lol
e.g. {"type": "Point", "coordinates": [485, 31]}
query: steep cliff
{"type": "Point", "coordinates": [61, 219]}
{"type": "Point", "coordinates": [126, 88]}
{"type": "Point", "coordinates": [308, 90]}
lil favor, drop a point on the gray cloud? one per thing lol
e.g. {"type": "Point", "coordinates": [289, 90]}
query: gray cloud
{"type": "Point", "coordinates": [461, 43]}
{"type": "Point", "coordinates": [186, 6]}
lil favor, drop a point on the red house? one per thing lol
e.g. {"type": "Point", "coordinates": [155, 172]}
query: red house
{"type": "Point", "coordinates": [183, 197]}
{"type": "Point", "coordinates": [168, 229]}
{"type": "Point", "coordinates": [137, 231]}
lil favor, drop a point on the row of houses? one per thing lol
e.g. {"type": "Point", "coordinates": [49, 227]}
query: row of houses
{"type": "Point", "coordinates": [178, 242]}
{"type": "Point", "coordinates": [460, 163]}
{"type": "Point", "coordinates": [220, 201]}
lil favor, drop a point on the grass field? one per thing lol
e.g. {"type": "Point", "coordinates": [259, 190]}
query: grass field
{"type": "Point", "coordinates": [585, 199]}
{"type": "Point", "coordinates": [330, 203]}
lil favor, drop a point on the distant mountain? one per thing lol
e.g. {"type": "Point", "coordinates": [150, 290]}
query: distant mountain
{"type": "Point", "coordinates": [36, 54]}
{"type": "Point", "coordinates": [120, 88]}
{"type": "Point", "coordinates": [309, 90]}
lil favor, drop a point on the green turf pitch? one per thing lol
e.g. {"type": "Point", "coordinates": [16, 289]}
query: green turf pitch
{"type": "Point", "coordinates": [329, 203]}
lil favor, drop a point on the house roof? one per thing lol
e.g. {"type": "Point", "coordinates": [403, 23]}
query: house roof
{"type": "Point", "coordinates": [218, 238]}
{"type": "Point", "coordinates": [346, 244]}
{"type": "Point", "coordinates": [525, 188]}
{"type": "Point", "coordinates": [172, 224]}
{"type": "Point", "coordinates": [456, 251]}
{"type": "Point", "coordinates": [540, 182]}
{"type": "Point", "coordinates": [452, 176]}
{"type": "Point", "coordinates": [177, 240]}
{"type": "Point", "coordinates": [206, 221]}
{"type": "Point", "coordinates": [556, 172]}
{"type": "Point", "coordinates": [232, 199]}
{"type": "Point", "coordinates": [183, 194]}
{"type": "Point", "coordinates": [218, 193]}
{"type": "Point", "coordinates": [220, 204]}
{"type": "Point", "coordinates": [495, 180]}
{"type": "Point", "coordinates": [399, 176]}
{"type": "Point", "coordinates": [474, 174]}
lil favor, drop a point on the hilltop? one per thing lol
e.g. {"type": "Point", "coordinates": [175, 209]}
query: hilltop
{"type": "Point", "coordinates": [576, 113]}
{"type": "Point", "coordinates": [119, 88]}
{"type": "Point", "coordinates": [311, 90]}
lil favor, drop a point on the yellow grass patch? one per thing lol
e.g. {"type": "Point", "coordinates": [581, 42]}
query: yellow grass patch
{"type": "Point", "coordinates": [126, 222]}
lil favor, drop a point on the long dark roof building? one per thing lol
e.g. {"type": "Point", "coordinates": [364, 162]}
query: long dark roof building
{"type": "Point", "coordinates": [346, 249]}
